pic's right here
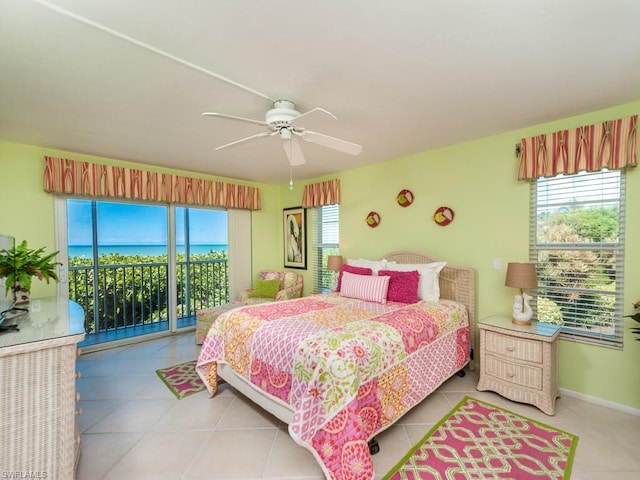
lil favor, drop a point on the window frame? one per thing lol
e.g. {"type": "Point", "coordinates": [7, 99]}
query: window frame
{"type": "Point", "coordinates": [239, 240]}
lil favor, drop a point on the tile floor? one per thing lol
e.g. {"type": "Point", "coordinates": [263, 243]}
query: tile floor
{"type": "Point", "coordinates": [133, 426]}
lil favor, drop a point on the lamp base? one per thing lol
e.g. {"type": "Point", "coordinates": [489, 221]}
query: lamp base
{"type": "Point", "coordinates": [522, 311]}
{"type": "Point", "coordinates": [523, 323]}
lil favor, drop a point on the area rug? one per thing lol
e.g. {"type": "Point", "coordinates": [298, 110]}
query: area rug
{"type": "Point", "coordinates": [181, 379]}
{"type": "Point", "coordinates": [477, 440]}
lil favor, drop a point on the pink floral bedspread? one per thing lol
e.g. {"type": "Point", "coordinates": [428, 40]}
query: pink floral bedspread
{"type": "Point", "coordinates": [348, 368]}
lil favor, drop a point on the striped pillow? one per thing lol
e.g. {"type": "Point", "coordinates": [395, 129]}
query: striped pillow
{"type": "Point", "coordinates": [364, 287]}
{"type": "Point", "coordinates": [351, 269]}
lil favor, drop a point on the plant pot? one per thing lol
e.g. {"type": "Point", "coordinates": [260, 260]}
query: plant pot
{"type": "Point", "coordinates": [22, 294]}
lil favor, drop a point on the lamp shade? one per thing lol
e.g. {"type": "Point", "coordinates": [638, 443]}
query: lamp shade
{"type": "Point", "coordinates": [521, 275]}
{"type": "Point", "coordinates": [334, 262]}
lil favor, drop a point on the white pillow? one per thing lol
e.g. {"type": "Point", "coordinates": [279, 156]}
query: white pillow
{"type": "Point", "coordinates": [364, 287]}
{"type": "Point", "coordinates": [374, 265]}
{"type": "Point", "coordinates": [429, 285]}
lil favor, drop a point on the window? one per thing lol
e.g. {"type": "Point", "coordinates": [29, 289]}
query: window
{"type": "Point", "coordinates": [577, 242]}
{"type": "Point", "coordinates": [325, 242]}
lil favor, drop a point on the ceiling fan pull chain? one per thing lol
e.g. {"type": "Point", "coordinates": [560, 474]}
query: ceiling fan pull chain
{"type": "Point", "coordinates": [290, 177]}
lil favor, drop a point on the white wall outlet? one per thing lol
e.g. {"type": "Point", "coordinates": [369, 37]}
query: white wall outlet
{"type": "Point", "coordinates": [497, 264]}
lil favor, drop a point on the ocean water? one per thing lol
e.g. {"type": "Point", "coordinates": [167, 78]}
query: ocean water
{"type": "Point", "coordinates": [152, 250]}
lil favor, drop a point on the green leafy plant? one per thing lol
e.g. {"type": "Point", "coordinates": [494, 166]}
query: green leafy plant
{"type": "Point", "coordinates": [549, 312]}
{"type": "Point", "coordinates": [636, 317]}
{"type": "Point", "coordinates": [21, 263]}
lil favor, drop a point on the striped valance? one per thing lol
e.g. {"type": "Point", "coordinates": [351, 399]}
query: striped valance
{"type": "Point", "coordinates": [323, 193]}
{"type": "Point", "coordinates": [610, 144]}
{"type": "Point", "coordinates": [89, 179]}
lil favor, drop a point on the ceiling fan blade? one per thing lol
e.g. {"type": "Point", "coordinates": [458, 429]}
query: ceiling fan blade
{"type": "Point", "coordinates": [238, 119]}
{"type": "Point", "coordinates": [331, 142]}
{"type": "Point", "coordinates": [294, 151]}
{"type": "Point", "coordinates": [317, 109]}
{"type": "Point", "coordinates": [247, 139]}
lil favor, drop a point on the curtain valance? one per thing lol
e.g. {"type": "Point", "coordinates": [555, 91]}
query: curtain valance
{"type": "Point", "coordinates": [323, 193]}
{"type": "Point", "coordinates": [610, 144]}
{"type": "Point", "coordinates": [73, 177]}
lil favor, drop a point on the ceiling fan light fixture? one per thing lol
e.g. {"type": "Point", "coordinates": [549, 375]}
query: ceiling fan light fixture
{"type": "Point", "coordinates": [285, 134]}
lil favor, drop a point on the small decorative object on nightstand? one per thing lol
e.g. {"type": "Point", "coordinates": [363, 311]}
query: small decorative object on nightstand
{"type": "Point", "coordinates": [520, 361]}
{"type": "Point", "coordinates": [521, 275]}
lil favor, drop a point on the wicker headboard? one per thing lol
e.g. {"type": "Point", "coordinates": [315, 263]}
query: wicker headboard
{"type": "Point", "coordinates": [456, 282]}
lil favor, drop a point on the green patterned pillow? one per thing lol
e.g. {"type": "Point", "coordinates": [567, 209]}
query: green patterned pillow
{"type": "Point", "coordinates": [265, 288]}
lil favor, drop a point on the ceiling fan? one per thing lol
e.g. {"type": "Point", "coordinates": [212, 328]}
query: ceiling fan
{"type": "Point", "coordinates": [280, 121]}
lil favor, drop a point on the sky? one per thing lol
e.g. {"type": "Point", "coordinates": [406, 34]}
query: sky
{"type": "Point", "coordinates": [125, 224]}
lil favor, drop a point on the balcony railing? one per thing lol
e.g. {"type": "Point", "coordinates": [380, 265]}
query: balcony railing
{"type": "Point", "coordinates": [126, 300]}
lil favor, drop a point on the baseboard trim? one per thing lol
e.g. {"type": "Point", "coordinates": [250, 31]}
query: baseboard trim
{"type": "Point", "coordinates": [600, 401]}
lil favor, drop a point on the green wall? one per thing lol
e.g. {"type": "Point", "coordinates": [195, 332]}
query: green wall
{"type": "Point", "coordinates": [28, 212]}
{"type": "Point", "coordinates": [477, 179]}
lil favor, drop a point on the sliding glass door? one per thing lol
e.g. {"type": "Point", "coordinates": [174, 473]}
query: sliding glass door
{"type": "Point", "coordinates": [138, 269]}
{"type": "Point", "coordinates": [201, 261]}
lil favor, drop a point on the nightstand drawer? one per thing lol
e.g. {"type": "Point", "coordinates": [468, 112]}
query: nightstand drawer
{"type": "Point", "coordinates": [513, 347]}
{"type": "Point", "coordinates": [524, 375]}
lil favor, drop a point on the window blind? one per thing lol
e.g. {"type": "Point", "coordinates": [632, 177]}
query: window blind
{"type": "Point", "coordinates": [577, 243]}
{"type": "Point", "coordinates": [326, 241]}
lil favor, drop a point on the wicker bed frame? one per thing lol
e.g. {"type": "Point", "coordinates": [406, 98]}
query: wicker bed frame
{"type": "Point", "coordinates": [456, 283]}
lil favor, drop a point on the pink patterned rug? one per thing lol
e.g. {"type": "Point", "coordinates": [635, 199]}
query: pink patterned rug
{"type": "Point", "coordinates": [181, 379]}
{"type": "Point", "coordinates": [477, 440]}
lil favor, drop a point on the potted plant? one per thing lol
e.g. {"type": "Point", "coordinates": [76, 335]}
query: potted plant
{"type": "Point", "coordinates": [19, 264]}
{"type": "Point", "coordinates": [636, 317]}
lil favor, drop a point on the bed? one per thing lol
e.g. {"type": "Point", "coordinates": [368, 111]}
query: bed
{"type": "Point", "coordinates": [340, 369]}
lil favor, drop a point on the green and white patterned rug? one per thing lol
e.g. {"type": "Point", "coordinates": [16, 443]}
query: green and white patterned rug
{"type": "Point", "coordinates": [181, 379]}
{"type": "Point", "coordinates": [477, 440]}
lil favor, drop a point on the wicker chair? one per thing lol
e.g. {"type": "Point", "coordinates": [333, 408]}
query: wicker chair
{"type": "Point", "coordinates": [290, 287]}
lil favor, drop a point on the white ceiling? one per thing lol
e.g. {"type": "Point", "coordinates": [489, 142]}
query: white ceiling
{"type": "Point", "coordinates": [129, 79]}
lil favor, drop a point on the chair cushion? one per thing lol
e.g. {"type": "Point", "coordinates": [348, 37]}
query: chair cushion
{"type": "Point", "coordinates": [291, 279]}
{"type": "Point", "coordinates": [271, 274]}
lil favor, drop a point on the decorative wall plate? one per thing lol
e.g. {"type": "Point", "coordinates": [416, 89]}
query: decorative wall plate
{"type": "Point", "coordinates": [443, 216]}
{"type": "Point", "coordinates": [404, 198]}
{"type": "Point", "coordinates": [373, 219]}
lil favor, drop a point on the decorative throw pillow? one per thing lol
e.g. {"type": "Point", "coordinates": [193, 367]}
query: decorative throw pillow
{"type": "Point", "coordinates": [265, 288]}
{"type": "Point", "coordinates": [351, 269]}
{"type": "Point", "coordinates": [403, 286]}
{"type": "Point", "coordinates": [429, 286]}
{"type": "Point", "coordinates": [365, 287]}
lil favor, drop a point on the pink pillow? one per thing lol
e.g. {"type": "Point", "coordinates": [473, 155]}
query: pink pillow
{"type": "Point", "coordinates": [403, 286]}
{"type": "Point", "coordinates": [365, 287]}
{"type": "Point", "coordinates": [351, 269]}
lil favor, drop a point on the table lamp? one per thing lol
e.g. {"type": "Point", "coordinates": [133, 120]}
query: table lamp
{"type": "Point", "coordinates": [521, 275]}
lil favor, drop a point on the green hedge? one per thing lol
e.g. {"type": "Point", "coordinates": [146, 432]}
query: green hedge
{"type": "Point", "coordinates": [134, 290]}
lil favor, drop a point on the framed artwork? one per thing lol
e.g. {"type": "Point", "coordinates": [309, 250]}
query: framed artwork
{"type": "Point", "coordinates": [295, 237]}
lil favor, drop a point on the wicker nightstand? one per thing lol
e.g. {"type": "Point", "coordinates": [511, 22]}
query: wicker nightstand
{"type": "Point", "coordinates": [520, 362]}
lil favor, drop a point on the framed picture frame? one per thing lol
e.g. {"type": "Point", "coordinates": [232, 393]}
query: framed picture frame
{"type": "Point", "coordinates": [295, 237]}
